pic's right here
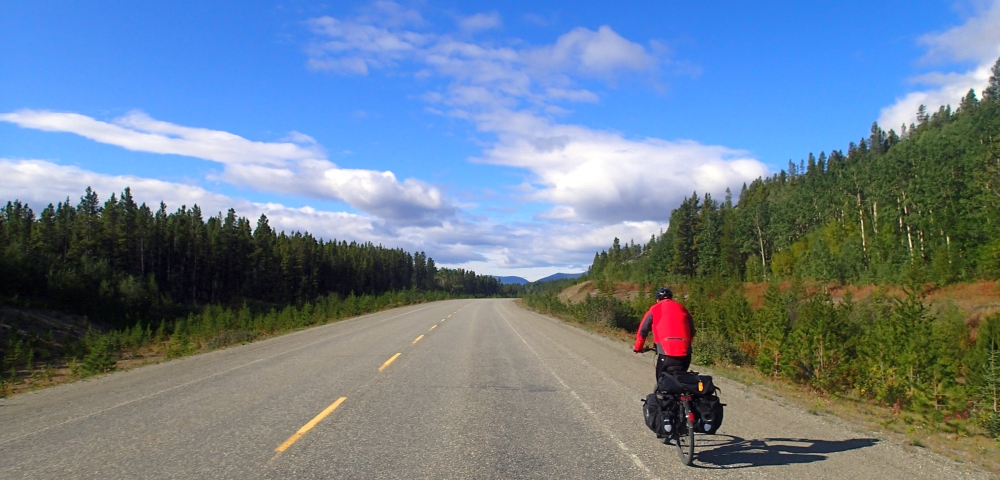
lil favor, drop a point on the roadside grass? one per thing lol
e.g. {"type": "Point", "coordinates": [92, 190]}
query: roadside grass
{"type": "Point", "coordinates": [956, 438]}
{"type": "Point", "coordinates": [95, 353]}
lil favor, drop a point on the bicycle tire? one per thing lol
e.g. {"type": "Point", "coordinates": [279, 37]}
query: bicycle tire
{"type": "Point", "coordinates": [685, 438]}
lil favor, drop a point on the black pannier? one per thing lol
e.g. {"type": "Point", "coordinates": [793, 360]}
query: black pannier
{"type": "Point", "coordinates": [710, 412]}
{"type": "Point", "coordinates": [673, 383]}
{"type": "Point", "coordinates": [707, 385]}
{"type": "Point", "coordinates": [652, 412]}
{"type": "Point", "coordinates": [669, 384]}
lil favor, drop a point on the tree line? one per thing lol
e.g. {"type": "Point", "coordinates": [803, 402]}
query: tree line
{"type": "Point", "coordinates": [927, 198]}
{"type": "Point", "coordinates": [119, 261]}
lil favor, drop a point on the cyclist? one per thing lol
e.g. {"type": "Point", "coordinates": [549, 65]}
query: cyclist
{"type": "Point", "coordinates": [673, 330]}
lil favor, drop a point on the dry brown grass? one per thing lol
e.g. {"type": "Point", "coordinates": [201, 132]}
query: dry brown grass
{"type": "Point", "coordinates": [578, 293]}
{"type": "Point", "coordinates": [975, 300]}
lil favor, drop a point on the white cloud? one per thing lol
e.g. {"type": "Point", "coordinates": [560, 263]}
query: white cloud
{"type": "Point", "coordinates": [480, 74]}
{"type": "Point", "coordinates": [977, 40]}
{"type": "Point", "coordinates": [599, 176]}
{"type": "Point", "coordinates": [593, 184]}
{"type": "Point", "coordinates": [947, 89]}
{"type": "Point", "coordinates": [569, 243]}
{"type": "Point", "coordinates": [480, 21]}
{"type": "Point", "coordinates": [40, 182]}
{"type": "Point", "coordinates": [452, 242]}
{"type": "Point", "coordinates": [298, 168]}
{"type": "Point", "coordinates": [136, 131]}
{"type": "Point", "coordinates": [588, 176]}
{"type": "Point", "coordinates": [601, 53]}
{"type": "Point", "coordinates": [486, 246]}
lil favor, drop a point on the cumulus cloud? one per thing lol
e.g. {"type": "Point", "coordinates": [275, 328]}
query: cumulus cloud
{"type": "Point", "coordinates": [945, 89]}
{"type": "Point", "coordinates": [567, 243]}
{"type": "Point", "coordinates": [296, 166]}
{"type": "Point", "coordinates": [600, 176]}
{"type": "Point", "coordinates": [593, 184]}
{"type": "Point", "coordinates": [40, 182]}
{"type": "Point", "coordinates": [585, 51]}
{"type": "Point", "coordinates": [516, 90]}
{"type": "Point", "coordinates": [481, 74]}
{"type": "Point", "coordinates": [480, 21]}
{"type": "Point", "coordinates": [977, 40]}
{"type": "Point", "coordinates": [485, 245]}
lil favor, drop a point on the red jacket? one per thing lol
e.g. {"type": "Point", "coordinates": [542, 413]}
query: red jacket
{"type": "Point", "coordinates": [672, 327]}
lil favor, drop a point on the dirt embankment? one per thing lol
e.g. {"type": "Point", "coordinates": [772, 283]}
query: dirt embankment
{"type": "Point", "coordinates": [579, 292]}
{"type": "Point", "coordinates": [976, 300]}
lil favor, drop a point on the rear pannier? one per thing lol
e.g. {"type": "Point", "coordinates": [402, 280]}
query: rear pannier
{"type": "Point", "coordinates": [652, 412]}
{"type": "Point", "coordinates": [709, 411]}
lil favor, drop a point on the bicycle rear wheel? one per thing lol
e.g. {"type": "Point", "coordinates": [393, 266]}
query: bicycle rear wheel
{"type": "Point", "coordinates": [685, 435]}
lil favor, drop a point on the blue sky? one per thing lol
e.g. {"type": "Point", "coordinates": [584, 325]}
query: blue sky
{"type": "Point", "coordinates": [513, 139]}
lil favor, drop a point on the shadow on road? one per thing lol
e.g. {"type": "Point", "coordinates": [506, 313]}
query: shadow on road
{"type": "Point", "coordinates": [728, 452]}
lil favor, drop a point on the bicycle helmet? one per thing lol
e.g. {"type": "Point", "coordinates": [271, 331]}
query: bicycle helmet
{"type": "Point", "coordinates": [664, 293]}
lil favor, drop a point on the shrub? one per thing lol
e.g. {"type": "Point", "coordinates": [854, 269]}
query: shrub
{"type": "Point", "coordinates": [609, 311]}
{"type": "Point", "coordinates": [99, 356]}
{"type": "Point", "coordinates": [230, 337]}
{"type": "Point", "coordinates": [711, 347]}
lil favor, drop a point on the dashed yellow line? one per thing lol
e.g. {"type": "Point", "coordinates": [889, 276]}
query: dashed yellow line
{"type": "Point", "coordinates": [389, 361]}
{"type": "Point", "coordinates": [418, 339]}
{"type": "Point", "coordinates": [433, 327]}
{"type": "Point", "coordinates": [443, 319]}
{"type": "Point", "coordinates": [312, 423]}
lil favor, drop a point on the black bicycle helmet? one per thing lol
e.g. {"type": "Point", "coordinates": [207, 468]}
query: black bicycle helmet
{"type": "Point", "coordinates": [664, 293]}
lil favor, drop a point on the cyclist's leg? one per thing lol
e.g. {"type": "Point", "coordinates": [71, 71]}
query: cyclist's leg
{"type": "Point", "coordinates": [685, 362]}
{"type": "Point", "coordinates": [663, 362]}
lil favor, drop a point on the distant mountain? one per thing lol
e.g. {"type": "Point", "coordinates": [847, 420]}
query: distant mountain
{"type": "Point", "coordinates": [559, 276]}
{"type": "Point", "coordinates": [511, 280]}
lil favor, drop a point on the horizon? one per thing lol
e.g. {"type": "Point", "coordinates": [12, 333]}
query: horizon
{"type": "Point", "coordinates": [512, 142]}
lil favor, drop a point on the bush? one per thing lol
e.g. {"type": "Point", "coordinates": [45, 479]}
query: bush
{"type": "Point", "coordinates": [991, 423]}
{"type": "Point", "coordinates": [989, 259]}
{"type": "Point", "coordinates": [711, 347]}
{"type": "Point", "coordinates": [989, 393]}
{"type": "Point", "coordinates": [610, 312]}
{"type": "Point", "coordinates": [99, 356]}
{"type": "Point", "coordinates": [230, 337]}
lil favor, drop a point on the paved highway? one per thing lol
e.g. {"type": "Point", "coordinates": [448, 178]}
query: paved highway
{"type": "Point", "coordinates": [454, 389]}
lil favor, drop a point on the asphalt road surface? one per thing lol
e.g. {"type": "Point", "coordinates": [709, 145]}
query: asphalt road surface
{"type": "Point", "coordinates": [454, 389]}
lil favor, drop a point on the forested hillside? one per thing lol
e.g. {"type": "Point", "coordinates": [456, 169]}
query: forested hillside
{"type": "Point", "coordinates": [926, 198]}
{"type": "Point", "coordinates": [898, 212]}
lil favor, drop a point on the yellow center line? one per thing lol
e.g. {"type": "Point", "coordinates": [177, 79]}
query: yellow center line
{"type": "Point", "coordinates": [312, 423]}
{"type": "Point", "coordinates": [443, 319]}
{"type": "Point", "coordinates": [418, 339]}
{"type": "Point", "coordinates": [389, 361]}
{"type": "Point", "coordinates": [433, 327]}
